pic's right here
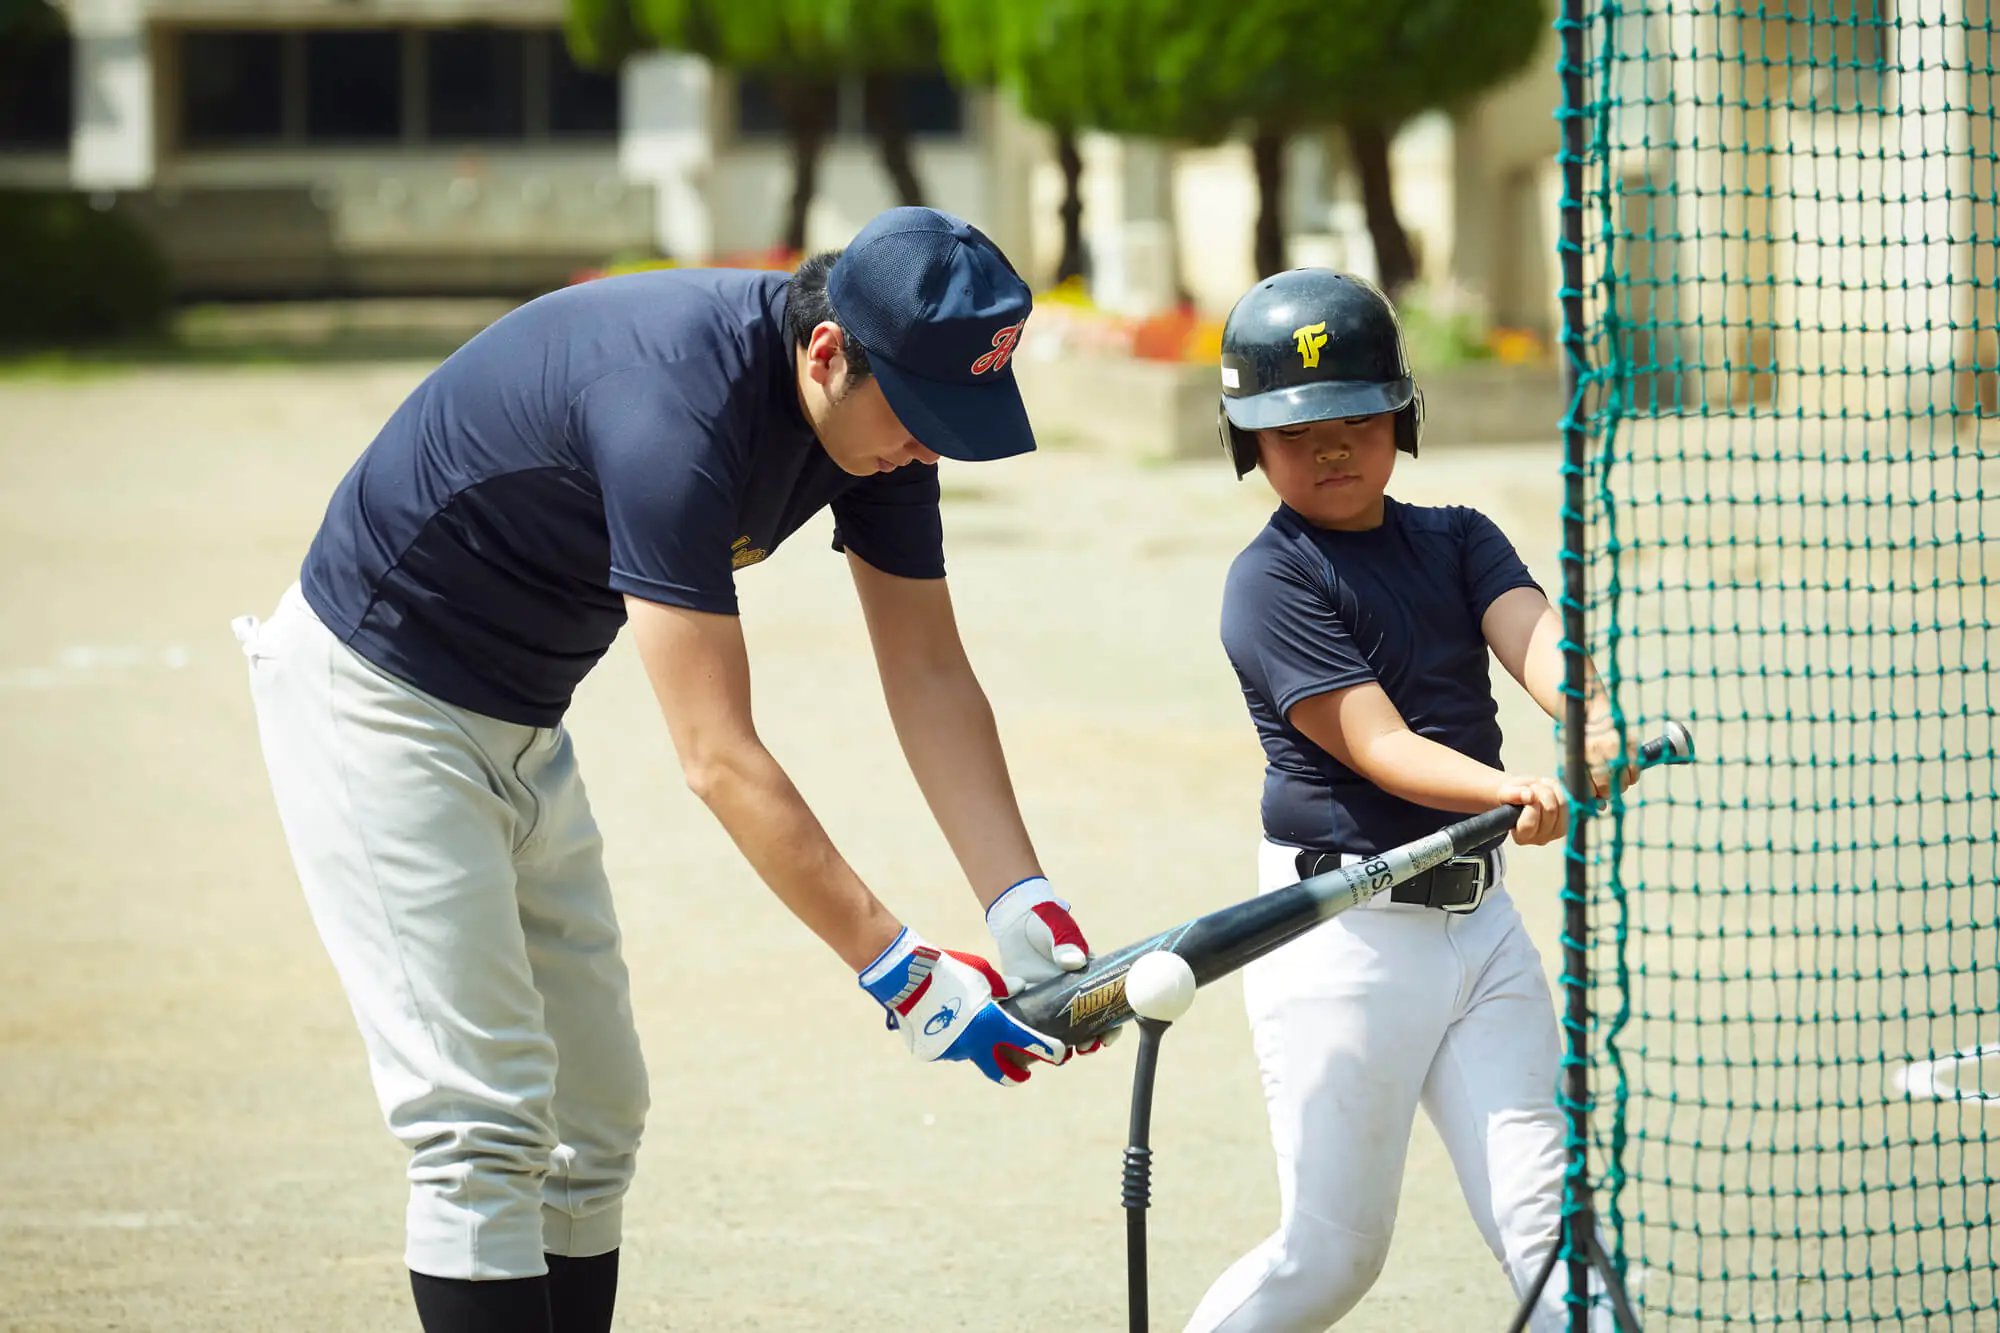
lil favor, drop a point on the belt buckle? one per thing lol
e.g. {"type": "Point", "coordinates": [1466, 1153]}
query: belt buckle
{"type": "Point", "coordinates": [1482, 874]}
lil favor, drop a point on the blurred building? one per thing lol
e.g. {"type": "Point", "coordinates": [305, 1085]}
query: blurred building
{"type": "Point", "coordinates": [1802, 201]}
{"type": "Point", "coordinates": [370, 146]}
{"type": "Point", "coordinates": [379, 146]}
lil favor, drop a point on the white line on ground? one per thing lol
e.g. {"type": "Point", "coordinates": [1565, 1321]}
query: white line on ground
{"type": "Point", "coordinates": [80, 664]}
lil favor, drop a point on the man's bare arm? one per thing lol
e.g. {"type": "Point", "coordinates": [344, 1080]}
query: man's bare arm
{"type": "Point", "coordinates": [946, 728]}
{"type": "Point", "coordinates": [700, 672]}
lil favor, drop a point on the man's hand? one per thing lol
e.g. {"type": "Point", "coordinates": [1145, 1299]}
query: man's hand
{"type": "Point", "coordinates": [1039, 941]}
{"type": "Point", "coordinates": [1544, 808]}
{"type": "Point", "coordinates": [943, 1004]}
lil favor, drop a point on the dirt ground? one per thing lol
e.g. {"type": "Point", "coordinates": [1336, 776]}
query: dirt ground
{"type": "Point", "coordinates": [192, 1138]}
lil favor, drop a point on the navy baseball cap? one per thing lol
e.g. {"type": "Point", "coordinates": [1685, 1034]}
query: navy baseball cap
{"type": "Point", "coordinates": [939, 311]}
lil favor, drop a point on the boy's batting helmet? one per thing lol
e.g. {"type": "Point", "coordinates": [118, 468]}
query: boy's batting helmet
{"type": "Point", "coordinates": [1311, 345]}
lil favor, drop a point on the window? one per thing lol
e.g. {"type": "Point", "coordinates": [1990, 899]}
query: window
{"type": "Point", "coordinates": [1839, 50]}
{"type": "Point", "coordinates": [348, 86]}
{"type": "Point", "coordinates": [928, 104]}
{"type": "Point", "coordinates": [232, 87]}
{"type": "Point", "coordinates": [758, 111]}
{"type": "Point", "coordinates": [581, 101]}
{"type": "Point", "coordinates": [476, 78]}
{"type": "Point", "coordinates": [35, 91]}
{"type": "Point", "coordinates": [354, 85]}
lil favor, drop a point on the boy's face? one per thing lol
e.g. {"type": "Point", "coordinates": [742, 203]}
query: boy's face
{"type": "Point", "coordinates": [1332, 472]}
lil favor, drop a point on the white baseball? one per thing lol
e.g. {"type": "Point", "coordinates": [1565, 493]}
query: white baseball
{"type": "Point", "coordinates": [1160, 986]}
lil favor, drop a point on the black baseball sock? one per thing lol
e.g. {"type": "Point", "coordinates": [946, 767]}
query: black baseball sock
{"type": "Point", "coordinates": [503, 1305]}
{"type": "Point", "coordinates": [582, 1292]}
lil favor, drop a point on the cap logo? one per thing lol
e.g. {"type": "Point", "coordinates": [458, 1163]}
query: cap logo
{"type": "Point", "coordinates": [1003, 348]}
{"type": "Point", "coordinates": [1311, 338]}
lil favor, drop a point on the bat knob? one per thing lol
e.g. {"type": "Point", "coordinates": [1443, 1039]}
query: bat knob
{"type": "Point", "coordinates": [1160, 986]}
{"type": "Point", "coordinates": [1674, 745]}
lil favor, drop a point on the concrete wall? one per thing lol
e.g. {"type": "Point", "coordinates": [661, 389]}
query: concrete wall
{"type": "Point", "coordinates": [444, 222]}
{"type": "Point", "coordinates": [1792, 233]}
{"type": "Point", "coordinates": [1822, 246]}
{"type": "Point", "coordinates": [1504, 192]}
{"type": "Point", "coordinates": [1159, 220]}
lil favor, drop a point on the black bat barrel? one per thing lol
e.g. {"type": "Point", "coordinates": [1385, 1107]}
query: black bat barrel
{"type": "Point", "coordinates": [1076, 1008]}
{"type": "Point", "coordinates": [1083, 1005]}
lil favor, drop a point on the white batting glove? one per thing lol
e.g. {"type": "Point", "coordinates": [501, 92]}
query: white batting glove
{"type": "Point", "coordinates": [943, 1004]}
{"type": "Point", "coordinates": [1039, 940]}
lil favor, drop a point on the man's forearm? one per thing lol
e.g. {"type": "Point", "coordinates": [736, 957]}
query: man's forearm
{"type": "Point", "coordinates": [953, 747]}
{"type": "Point", "coordinates": [779, 835]}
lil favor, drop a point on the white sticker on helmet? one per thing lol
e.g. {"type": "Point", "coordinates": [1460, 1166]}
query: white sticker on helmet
{"type": "Point", "coordinates": [1230, 379]}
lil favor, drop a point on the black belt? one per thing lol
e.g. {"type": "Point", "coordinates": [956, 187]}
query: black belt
{"type": "Point", "coordinates": [1458, 885]}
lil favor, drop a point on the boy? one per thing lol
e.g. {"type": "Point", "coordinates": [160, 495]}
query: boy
{"type": "Point", "coordinates": [1359, 627]}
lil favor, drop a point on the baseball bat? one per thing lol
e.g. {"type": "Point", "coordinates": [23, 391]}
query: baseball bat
{"type": "Point", "coordinates": [1083, 1005]}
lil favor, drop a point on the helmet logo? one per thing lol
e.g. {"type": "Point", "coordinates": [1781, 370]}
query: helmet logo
{"type": "Point", "coordinates": [1003, 348]}
{"type": "Point", "coordinates": [1311, 338]}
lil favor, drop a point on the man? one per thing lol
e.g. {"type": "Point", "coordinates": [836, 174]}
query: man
{"type": "Point", "coordinates": [608, 453]}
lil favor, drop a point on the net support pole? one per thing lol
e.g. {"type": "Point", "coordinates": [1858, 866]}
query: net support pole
{"type": "Point", "coordinates": [1579, 1216]}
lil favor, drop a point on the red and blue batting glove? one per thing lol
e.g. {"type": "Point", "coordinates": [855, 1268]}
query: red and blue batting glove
{"type": "Point", "coordinates": [943, 1004]}
{"type": "Point", "coordinates": [1039, 940]}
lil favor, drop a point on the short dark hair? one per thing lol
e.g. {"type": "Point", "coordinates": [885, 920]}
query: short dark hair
{"type": "Point", "coordinates": [807, 307]}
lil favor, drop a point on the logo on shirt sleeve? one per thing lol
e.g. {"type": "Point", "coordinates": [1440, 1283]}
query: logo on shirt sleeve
{"type": "Point", "coordinates": [742, 553]}
{"type": "Point", "coordinates": [1311, 338]}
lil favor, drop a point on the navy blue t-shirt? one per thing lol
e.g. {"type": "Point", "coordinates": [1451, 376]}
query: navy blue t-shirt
{"type": "Point", "coordinates": [638, 435]}
{"type": "Point", "coordinates": [1307, 611]}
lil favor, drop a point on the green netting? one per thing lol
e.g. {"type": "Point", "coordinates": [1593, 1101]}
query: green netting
{"type": "Point", "coordinates": [1788, 356]}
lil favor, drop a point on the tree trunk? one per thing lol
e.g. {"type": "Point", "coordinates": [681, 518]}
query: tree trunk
{"type": "Point", "coordinates": [1183, 296]}
{"type": "Point", "coordinates": [1395, 262]}
{"type": "Point", "coordinates": [809, 107]}
{"type": "Point", "coordinates": [1071, 160]}
{"type": "Point", "coordinates": [883, 113]}
{"type": "Point", "coordinates": [1267, 154]}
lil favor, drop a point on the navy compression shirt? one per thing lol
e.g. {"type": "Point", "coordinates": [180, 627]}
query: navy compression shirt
{"type": "Point", "coordinates": [638, 435]}
{"type": "Point", "coordinates": [1307, 611]}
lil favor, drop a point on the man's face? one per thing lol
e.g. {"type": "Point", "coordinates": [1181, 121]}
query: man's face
{"type": "Point", "coordinates": [1332, 472]}
{"type": "Point", "coordinates": [861, 433]}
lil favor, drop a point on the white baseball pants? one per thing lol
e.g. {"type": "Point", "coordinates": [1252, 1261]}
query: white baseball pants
{"type": "Point", "coordinates": [454, 871]}
{"type": "Point", "coordinates": [1356, 1023]}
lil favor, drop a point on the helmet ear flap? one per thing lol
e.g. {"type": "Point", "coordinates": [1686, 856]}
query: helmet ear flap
{"type": "Point", "coordinates": [1410, 424]}
{"type": "Point", "coordinates": [1240, 445]}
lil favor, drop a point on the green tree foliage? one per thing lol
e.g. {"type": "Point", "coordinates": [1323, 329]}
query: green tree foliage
{"type": "Point", "coordinates": [601, 33]}
{"type": "Point", "coordinates": [1073, 65]}
{"type": "Point", "coordinates": [73, 273]}
{"type": "Point", "coordinates": [1174, 70]}
{"type": "Point", "coordinates": [984, 44]}
{"type": "Point", "coordinates": [1286, 66]}
{"type": "Point", "coordinates": [879, 40]}
{"type": "Point", "coordinates": [800, 50]}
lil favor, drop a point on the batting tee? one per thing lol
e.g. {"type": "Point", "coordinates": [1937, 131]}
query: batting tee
{"type": "Point", "coordinates": [1780, 278]}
